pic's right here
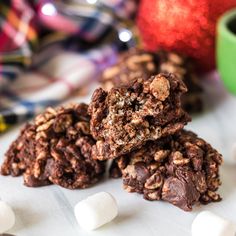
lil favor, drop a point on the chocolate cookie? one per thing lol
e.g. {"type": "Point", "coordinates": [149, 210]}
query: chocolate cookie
{"type": "Point", "coordinates": [138, 63]}
{"type": "Point", "coordinates": [126, 117]}
{"type": "Point", "coordinates": [182, 169]}
{"type": "Point", "coordinates": [55, 148]}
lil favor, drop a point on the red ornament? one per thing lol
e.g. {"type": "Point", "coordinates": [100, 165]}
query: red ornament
{"type": "Point", "coordinates": [185, 26]}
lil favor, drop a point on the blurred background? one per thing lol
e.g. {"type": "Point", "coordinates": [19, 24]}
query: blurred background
{"type": "Point", "coordinates": [51, 51]}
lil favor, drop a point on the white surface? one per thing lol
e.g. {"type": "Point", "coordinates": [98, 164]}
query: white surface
{"type": "Point", "coordinates": [7, 217]}
{"type": "Point", "coordinates": [49, 210]}
{"type": "Point", "coordinates": [233, 154]}
{"type": "Point", "coordinates": [207, 223]}
{"type": "Point", "coordinates": [96, 210]}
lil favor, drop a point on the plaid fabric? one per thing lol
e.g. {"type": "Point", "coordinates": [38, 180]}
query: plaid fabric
{"type": "Point", "coordinates": [17, 37]}
{"type": "Point", "coordinates": [59, 64]}
{"type": "Point", "coordinates": [18, 34]}
{"type": "Point", "coordinates": [86, 20]}
{"type": "Point", "coordinates": [53, 81]}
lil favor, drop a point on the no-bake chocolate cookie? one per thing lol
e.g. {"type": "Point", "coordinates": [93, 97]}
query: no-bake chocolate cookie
{"type": "Point", "coordinates": [137, 63]}
{"type": "Point", "coordinates": [182, 169]}
{"type": "Point", "coordinates": [126, 117]}
{"type": "Point", "coordinates": [55, 148]}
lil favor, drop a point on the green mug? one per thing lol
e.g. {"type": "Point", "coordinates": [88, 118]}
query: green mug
{"type": "Point", "coordinates": [226, 49]}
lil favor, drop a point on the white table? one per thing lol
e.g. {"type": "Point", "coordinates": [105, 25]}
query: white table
{"type": "Point", "coordinates": [49, 210]}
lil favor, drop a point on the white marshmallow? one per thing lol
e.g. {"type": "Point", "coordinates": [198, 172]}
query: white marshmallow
{"type": "Point", "coordinates": [7, 217]}
{"type": "Point", "coordinates": [96, 210]}
{"type": "Point", "coordinates": [207, 223]}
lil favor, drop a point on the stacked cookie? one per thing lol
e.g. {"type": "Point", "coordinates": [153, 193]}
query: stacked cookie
{"type": "Point", "coordinates": [181, 169]}
{"type": "Point", "coordinates": [124, 118]}
{"type": "Point", "coordinates": [139, 126]}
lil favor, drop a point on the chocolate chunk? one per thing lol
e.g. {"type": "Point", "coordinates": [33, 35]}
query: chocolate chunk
{"type": "Point", "coordinates": [55, 148]}
{"type": "Point", "coordinates": [141, 171]}
{"type": "Point", "coordinates": [124, 118]}
{"type": "Point", "coordinates": [138, 63]}
{"type": "Point", "coordinates": [180, 193]}
{"type": "Point", "coordinates": [182, 169]}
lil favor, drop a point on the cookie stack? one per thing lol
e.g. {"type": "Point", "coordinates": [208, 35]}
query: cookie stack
{"type": "Point", "coordinates": [139, 126]}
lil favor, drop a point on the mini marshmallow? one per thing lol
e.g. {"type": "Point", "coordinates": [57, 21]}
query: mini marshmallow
{"type": "Point", "coordinates": [7, 217]}
{"type": "Point", "coordinates": [96, 210]}
{"type": "Point", "coordinates": [207, 223]}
